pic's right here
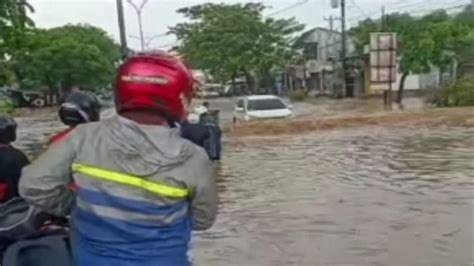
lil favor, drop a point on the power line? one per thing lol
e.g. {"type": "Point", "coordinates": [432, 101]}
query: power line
{"type": "Point", "coordinates": [269, 15]}
{"type": "Point", "coordinates": [441, 8]}
{"type": "Point", "coordinates": [413, 9]}
{"type": "Point", "coordinates": [358, 7]}
{"type": "Point", "coordinates": [166, 45]}
{"type": "Point", "coordinates": [454, 7]}
{"type": "Point", "coordinates": [288, 8]}
{"type": "Point", "coordinates": [396, 4]}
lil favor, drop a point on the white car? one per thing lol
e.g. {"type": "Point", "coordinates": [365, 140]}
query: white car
{"type": "Point", "coordinates": [261, 107]}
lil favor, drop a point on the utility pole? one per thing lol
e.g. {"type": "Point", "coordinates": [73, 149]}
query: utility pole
{"type": "Point", "coordinates": [343, 46]}
{"type": "Point", "coordinates": [121, 24]}
{"type": "Point", "coordinates": [382, 20]}
{"type": "Point", "coordinates": [382, 29]}
{"type": "Point", "coordinates": [331, 20]}
{"type": "Point", "coordinates": [139, 10]}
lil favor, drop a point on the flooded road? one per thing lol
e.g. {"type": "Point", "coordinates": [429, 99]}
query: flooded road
{"type": "Point", "coordinates": [366, 196]}
{"type": "Point", "coordinates": [359, 197]}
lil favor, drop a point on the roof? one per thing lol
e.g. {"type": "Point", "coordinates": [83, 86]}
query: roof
{"type": "Point", "coordinates": [300, 40]}
{"type": "Point", "coordinates": [262, 97]}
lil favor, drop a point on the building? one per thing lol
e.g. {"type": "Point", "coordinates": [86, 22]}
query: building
{"type": "Point", "coordinates": [319, 67]}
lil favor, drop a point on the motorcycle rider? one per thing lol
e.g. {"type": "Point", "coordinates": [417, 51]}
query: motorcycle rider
{"type": "Point", "coordinates": [79, 107]}
{"type": "Point", "coordinates": [12, 160]}
{"type": "Point", "coordinates": [142, 188]}
{"type": "Point", "coordinates": [202, 109]}
{"type": "Point", "coordinates": [194, 131]}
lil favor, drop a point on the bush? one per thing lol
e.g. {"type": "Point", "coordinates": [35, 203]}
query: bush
{"type": "Point", "coordinates": [298, 95]}
{"type": "Point", "coordinates": [6, 105]}
{"type": "Point", "coordinates": [459, 93]}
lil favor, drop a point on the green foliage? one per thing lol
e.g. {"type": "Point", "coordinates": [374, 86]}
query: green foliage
{"type": "Point", "coordinates": [435, 40]}
{"type": "Point", "coordinates": [13, 19]}
{"type": "Point", "coordinates": [229, 40]}
{"type": "Point", "coordinates": [14, 26]}
{"type": "Point", "coordinates": [6, 105]}
{"type": "Point", "coordinates": [459, 93]}
{"type": "Point", "coordinates": [298, 95]}
{"type": "Point", "coordinates": [55, 58]}
{"type": "Point", "coordinates": [464, 48]}
{"type": "Point", "coordinates": [466, 17]}
{"type": "Point", "coordinates": [6, 75]}
{"type": "Point", "coordinates": [70, 55]}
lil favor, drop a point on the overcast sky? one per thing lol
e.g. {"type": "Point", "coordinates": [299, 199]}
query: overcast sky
{"type": "Point", "coordinates": [158, 15]}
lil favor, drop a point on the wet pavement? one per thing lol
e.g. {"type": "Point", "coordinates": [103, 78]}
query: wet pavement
{"type": "Point", "coordinates": [366, 196]}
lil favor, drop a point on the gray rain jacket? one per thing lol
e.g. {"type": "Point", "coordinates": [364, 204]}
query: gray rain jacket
{"type": "Point", "coordinates": [142, 189]}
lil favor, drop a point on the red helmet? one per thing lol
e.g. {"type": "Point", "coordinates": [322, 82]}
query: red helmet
{"type": "Point", "coordinates": [154, 81]}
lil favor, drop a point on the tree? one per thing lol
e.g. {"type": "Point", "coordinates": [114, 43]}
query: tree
{"type": "Point", "coordinates": [424, 43]}
{"type": "Point", "coordinates": [219, 38]}
{"type": "Point", "coordinates": [466, 17]}
{"type": "Point", "coordinates": [273, 48]}
{"type": "Point", "coordinates": [430, 42]}
{"type": "Point", "coordinates": [233, 40]}
{"type": "Point", "coordinates": [464, 49]}
{"type": "Point", "coordinates": [13, 19]}
{"type": "Point", "coordinates": [63, 57]}
{"type": "Point", "coordinates": [14, 27]}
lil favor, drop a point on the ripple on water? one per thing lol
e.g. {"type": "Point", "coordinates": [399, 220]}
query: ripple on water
{"type": "Point", "coordinates": [359, 197]}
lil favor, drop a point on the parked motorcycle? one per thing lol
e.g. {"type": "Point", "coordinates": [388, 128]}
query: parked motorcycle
{"type": "Point", "coordinates": [30, 237]}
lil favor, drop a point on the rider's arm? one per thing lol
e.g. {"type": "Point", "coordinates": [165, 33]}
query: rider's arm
{"type": "Point", "coordinates": [203, 192]}
{"type": "Point", "coordinates": [20, 162]}
{"type": "Point", "coordinates": [44, 182]}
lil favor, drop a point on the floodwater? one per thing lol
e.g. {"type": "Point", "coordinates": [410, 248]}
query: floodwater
{"type": "Point", "coordinates": [366, 196]}
{"type": "Point", "coordinates": [359, 197]}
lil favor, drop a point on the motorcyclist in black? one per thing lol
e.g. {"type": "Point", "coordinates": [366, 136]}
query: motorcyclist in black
{"type": "Point", "coordinates": [79, 107]}
{"type": "Point", "coordinates": [194, 131]}
{"type": "Point", "coordinates": [12, 160]}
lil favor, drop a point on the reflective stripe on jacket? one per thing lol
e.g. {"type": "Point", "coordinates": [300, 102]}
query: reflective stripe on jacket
{"type": "Point", "coordinates": [141, 190]}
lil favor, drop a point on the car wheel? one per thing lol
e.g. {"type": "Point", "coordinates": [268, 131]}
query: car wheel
{"type": "Point", "coordinates": [38, 102]}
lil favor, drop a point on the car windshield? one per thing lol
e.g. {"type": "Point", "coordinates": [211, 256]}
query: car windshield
{"type": "Point", "coordinates": [265, 104]}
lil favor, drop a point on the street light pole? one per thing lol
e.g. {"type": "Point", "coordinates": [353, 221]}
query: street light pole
{"type": "Point", "coordinates": [148, 42]}
{"type": "Point", "coordinates": [148, 39]}
{"type": "Point", "coordinates": [121, 24]}
{"type": "Point", "coordinates": [139, 10]}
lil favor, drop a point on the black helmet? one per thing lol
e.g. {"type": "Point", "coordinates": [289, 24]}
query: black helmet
{"type": "Point", "coordinates": [79, 107]}
{"type": "Point", "coordinates": [7, 129]}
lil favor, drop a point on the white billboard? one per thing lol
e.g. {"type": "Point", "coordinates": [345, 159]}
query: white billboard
{"type": "Point", "coordinates": [383, 58]}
